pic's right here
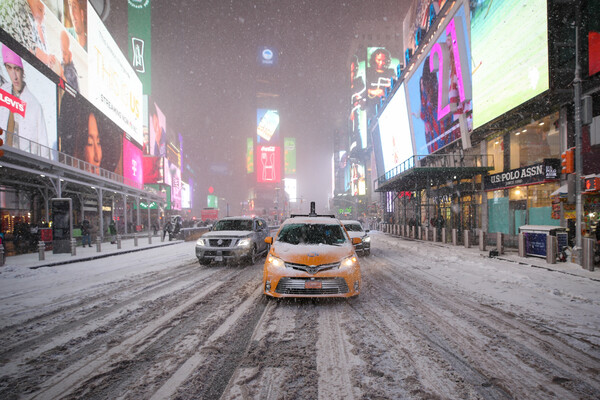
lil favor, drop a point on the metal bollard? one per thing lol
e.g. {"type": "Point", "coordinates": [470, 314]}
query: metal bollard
{"type": "Point", "coordinates": [467, 238]}
{"type": "Point", "coordinates": [1, 255]}
{"type": "Point", "coordinates": [118, 242]}
{"type": "Point", "coordinates": [435, 235]}
{"type": "Point", "coordinates": [522, 252]}
{"type": "Point", "coordinates": [73, 247]}
{"type": "Point", "coordinates": [42, 250]}
{"type": "Point", "coordinates": [481, 240]}
{"type": "Point", "coordinates": [162, 237]}
{"type": "Point", "coordinates": [443, 235]}
{"type": "Point", "coordinates": [551, 249]}
{"type": "Point", "coordinates": [426, 234]}
{"type": "Point", "coordinates": [98, 244]}
{"type": "Point", "coordinates": [149, 237]}
{"type": "Point", "coordinates": [454, 237]}
{"type": "Point", "coordinates": [419, 232]}
{"type": "Point", "coordinates": [587, 255]}
{"type": "Point", "coordinates": [500, 242]}
{"type": "Point", "coordinates": [135, 239]}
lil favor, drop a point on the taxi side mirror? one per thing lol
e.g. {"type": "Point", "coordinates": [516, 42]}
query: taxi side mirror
{"type": "Point", "coordinates": [269, 240]}
{"type": "Point", "coordinates": [356, 240]}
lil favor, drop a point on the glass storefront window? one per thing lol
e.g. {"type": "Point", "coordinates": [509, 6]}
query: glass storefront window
{"type": "Point", "coordinates": [535, 141]}
{"type": "Point", "coordinates": [495, 148]}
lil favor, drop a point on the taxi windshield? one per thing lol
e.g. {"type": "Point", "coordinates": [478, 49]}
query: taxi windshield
{"type": "Point", "coordinates": [312, 234]}
{"type": "Point", "coordinates": [233, 225]}
{"type": "Point", "coordinates": [353, 227]}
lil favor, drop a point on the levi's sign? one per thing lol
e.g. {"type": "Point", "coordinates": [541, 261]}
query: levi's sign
{"type": "Point", "coordinates": [14, 104]}
{"type": "Point", "coordinates": [536, 173]}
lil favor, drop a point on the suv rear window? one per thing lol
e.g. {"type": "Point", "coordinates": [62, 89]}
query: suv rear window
{"type": "Point", "coordinates": [233, 225]}
{"type": "Point", "coordinates": [312, 234]}
{"type": "Point", "coordinates": [353, 227]}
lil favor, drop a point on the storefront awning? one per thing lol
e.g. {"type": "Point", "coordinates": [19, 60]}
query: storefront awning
{"type": "Point", "coordinates": [418, 178]}
{"type": "Point", "coordinates": [561, 191]}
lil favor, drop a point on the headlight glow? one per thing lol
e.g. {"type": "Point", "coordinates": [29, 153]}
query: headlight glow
{"type": "Point", "coordinates": [244, 242]}
{"type": "Point", "coordinates": [274, 261]}
{"type": "Point", "coordinates": [367, 239]}
{"type": "Point", "coordinates": [200, 242]}
{"type": "Point", "coordinates": [349, 262]}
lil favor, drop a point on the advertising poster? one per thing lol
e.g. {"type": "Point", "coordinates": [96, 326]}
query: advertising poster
{"type": "Point", "coordinates": [358, 99]}
{"type": "Point", "coordinates": [439, 90]}
{"type": "Point", "coordinates": [89, 135]}
{"type": "Point", "coordinates": [510, 55]}
{"type": "Point", "coordinates": [139, 16]}
{"type": "Point", "coordinates": [249, 155]}
{"type": "Point", "coordinates": [268, 164]}
{"type": "Point", "coordinates": [114, 87]}
{"type": "Point", "coordinates": [290, 188]}
{"type": "Point", "coordinates": [157, 127]}
{"type": "Point", "coordinates": [357, 180]}
{"type": "Point", "coordinates": [267, 126]}
{"type": "Point", "coordinates": [152, 168]}
{"type": "Point", "coordinates": [186, 196]}
{"type": "Point", "coordinates": [381, 69]}
{"type": "Point", "coordinates": [133, 167]}
{"type": "Point", "coordinates": [55, 32]}
{"type": "Point", "coordinates": [394, 132]}
{"type": "Point", "coordinates": [30, 115]}
{"type": "Point", "coordinates": [172, 177]}
{"type": "Point", "coordinates": [289, 155]}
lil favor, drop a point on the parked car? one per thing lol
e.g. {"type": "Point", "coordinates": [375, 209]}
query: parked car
{"type": "Point", "coordinates": [355, 229]}
{"type": "Point", "coordinates": [311, 256]}
{"type": "Point", "coordinates": [235, 239]}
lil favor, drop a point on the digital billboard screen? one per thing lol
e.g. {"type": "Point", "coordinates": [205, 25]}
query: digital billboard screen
{"type": "Point", "coordinates": [88, 135]}
{"type": "Point", "coordinates": [186, 196]}
{"type": "Point", "coordinates": [55, 32]}
{"type": "Point", "coordinates": [381, 69]}
{"type": "Point", "coordinates": [267, 126]}
{"type": "Point", "coordinates": [268, 164]}
{"type": "Point", "coordinates": [152, 169]}
{"type": "Point", "coordinates": [133, 167]}
{"type": "Point", "coordinates": [157, 132]}
{"type": "Point", "coordinates": [358, 99]}
{"type": "Point", "coordinates": [114, 86]}
{"type": "Point", "coordinates": [289, 155]}
{"type": "Point", "coordinates": [30, 113]}
{"type": "Point", "coordinates": [510, 55]}
{"type": "Point", "coordinates": [172, 177]}
{"type": "Point", "coordinates": [249, 155]}
{"type": "Point", "coordinates": [394, 131]}
{"type": "Point", "coordinates": [439, 90]}
{"type": "Point", "coordinates": [357, 180]}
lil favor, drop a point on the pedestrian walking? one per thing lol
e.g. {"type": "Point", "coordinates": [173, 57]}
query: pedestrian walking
{"type": "Point", "coordinates": [167, 230]}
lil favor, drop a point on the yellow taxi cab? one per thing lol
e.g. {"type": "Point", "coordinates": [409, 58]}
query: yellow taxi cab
{"type": "Point", "coordinates": [311, 256]}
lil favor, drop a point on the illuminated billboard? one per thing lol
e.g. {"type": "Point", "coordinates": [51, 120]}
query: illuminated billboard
{"type": "Point", "coordinates": [357, 180]}
{"type": "Point", "coordinates": [381, 69]}
{"type": "Point", "coordinates": [55, 33]}
{"type": "Point", "coordinates": [153, 169]}
{"type": "Point", "coordinates": [157, 132]}
{"type": "Point", "coordinates": [172, 177]}
{"type": "Point", "coordinates": [132, 164]}
{"type": "Point", "coordinates": [249, 155]}
{"type": "Point", "coordinates": [114, 86]}
{"type": "Point", "coordinates": [290, 188]}
{"type": "Point", "coordinates": [186, 196]}
{"type": "Point", "coordinates": [358, 96]}
{"type": "Point", "coordinates": [394, 132]}
{"type": "Point", "coordinates": [267, 126]}
{"type": "Point", "coordinates": [268, 164]}
{"type": "Point", "coordinates": [510, 55]}
{"type": "Point", "coordinates": [289, 155]}
{"type": "Point", "coordinates": [439, 90]}
{"type": "Point", "coordinates": [88, 135]}
{"type": "Point", "coordinates": [32, 113]}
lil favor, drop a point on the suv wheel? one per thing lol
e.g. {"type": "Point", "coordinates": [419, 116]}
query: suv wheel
{"type": "Point", "coordinates": [204, 261]}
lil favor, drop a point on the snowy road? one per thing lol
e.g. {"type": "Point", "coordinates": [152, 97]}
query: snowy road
{"type": "Point", "coordinates": [432, 322]}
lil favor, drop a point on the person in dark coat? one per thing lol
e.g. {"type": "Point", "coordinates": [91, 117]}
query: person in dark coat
{"type": "Point", "coordinates": [168, 228]}
{"type": "Point", "coordinates": [112, 229]}
{"type": "Point", "coordinates": [86, 233]}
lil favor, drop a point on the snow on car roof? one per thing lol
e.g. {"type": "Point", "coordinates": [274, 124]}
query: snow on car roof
{"type": "Point", "coordinates": [350, 221]}
{"type": "Point", "coordinates": [312, 220]}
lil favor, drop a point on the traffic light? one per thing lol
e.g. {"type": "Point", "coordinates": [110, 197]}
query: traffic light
{"type": "Point", "coordinates": [568, 161]}
{"type": "Point", "coordinates": [1, 142]}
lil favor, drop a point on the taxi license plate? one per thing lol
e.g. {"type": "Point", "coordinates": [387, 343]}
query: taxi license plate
{"type": "Point", "coordinates": [219, 258]}
{"type": "Point", "coordinates": [313, 285]}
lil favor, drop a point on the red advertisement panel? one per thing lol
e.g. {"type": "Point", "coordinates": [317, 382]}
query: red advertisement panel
{"type": "Point", "coordinates": [268, 164]}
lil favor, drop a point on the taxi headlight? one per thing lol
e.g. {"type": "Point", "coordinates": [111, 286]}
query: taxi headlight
{"type": "Point", "coordinates": [367, 239]}
{"type": "Point", "coordinates": [244, 242]}
{"type": "Point", "coordinates": [200, 242]}
{"type": "Point", "coordinates": [349, 261]}
{"type": "Point", "coordinates": [275, 262]}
